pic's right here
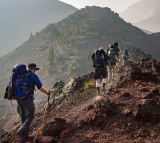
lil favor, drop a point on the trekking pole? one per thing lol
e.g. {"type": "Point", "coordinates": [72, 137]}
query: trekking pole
{"type": "Point", "coordinates": [44, 114]}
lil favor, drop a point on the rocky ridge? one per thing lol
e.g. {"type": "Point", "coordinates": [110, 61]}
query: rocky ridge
{"type": "Point", "coordinates": [126, 113]}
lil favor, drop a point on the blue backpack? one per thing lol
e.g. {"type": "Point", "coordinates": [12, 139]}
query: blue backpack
{"type": "Point", "coordinates": [18, 88]}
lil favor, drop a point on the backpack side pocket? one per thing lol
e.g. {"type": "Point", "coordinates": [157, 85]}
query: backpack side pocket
{"type": "Point", "coordinates": [10, 92]}
{"type": "Point", "coordinates": [6, 92]}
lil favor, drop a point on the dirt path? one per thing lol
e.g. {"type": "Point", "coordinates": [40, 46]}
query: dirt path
{"type": "Point", "coordinates": [8, 125]}
{"type": "Point", "coordinates": [70, 111]}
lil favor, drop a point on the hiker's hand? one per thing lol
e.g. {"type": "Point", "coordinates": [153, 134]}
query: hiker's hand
{"type": "Point", "coordinates": [49, 93]}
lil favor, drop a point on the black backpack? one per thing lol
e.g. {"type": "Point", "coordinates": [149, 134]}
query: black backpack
{"type": "Point", "coordinates": [98, 60]}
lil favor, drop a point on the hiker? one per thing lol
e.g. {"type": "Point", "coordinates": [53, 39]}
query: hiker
{"type": "Point", "coordinates": [99, 61]}
{"type": "Point", "coordinates": [113, 59]}
{"type": "Point", "coordinates": [25, 106]}
{"type": "Point", "coordinates": [125, 56]}
{"type": "Point", "coordinates": [117, 49]}
{"type": "Point", "coordinates": [117, 52]}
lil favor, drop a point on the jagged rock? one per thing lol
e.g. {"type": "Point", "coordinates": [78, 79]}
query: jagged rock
{"type": "Point", "coordinates": [147, 110]}
{"type": "Point", "coordinates": [75, 58]}
{"type": "Point", "coordinates": [90, 107]}
{"type": "Point", "coordinates": [80, 123]}
{"type": "Point", "coordinates": [60, 120]}
{"type": "Point", "coordinates": [62, 89]}
{"type": "Point", "coordinates": [69, 87]}
{"type": "Point", "coordinates": [54, 128]}
{"type": "Point", "coordinates": [147, 96]}
{"type": "Point", "coordinates": [119, 84]}
{"type": "Point", "coordinates": [126, 94]}
{"type": "Point", "coordinates": [144, 89]}
{"type": "Point", "coordinates": [154, 90]}
{"type": "Point", "coordinates": [133, 72]}
{"type": "Point", "coordinates": [126, 111]}
{"type": "Point", "coordinates": [121, 81]}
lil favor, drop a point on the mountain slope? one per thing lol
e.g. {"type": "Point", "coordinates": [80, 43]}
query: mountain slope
{"type": "Point", "coordinates": [72, 41]}
{"type": "Point", "coordinates": [151, 24]}
{"type": "Point", "coordinates": [19, 18]}
{"type": "Point", "coordinates": [145, 13]}
{"type": "Point", "coordinates": [126, 113]}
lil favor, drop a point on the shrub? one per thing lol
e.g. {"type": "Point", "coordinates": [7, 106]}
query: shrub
{"type": "Point", "coordinates": [6, 115]}
{"type": "Point", "coordinates": [72, 53]}
{"type": "Point", "coordinates": [37, 33]}
{"type": "Point", "coordinates": [61, 67]}
{"type": "Point", "coordinates": [48, 28]}
{"type": "Point", "coordinates": [56, 77]}
{"type": "Point", "coordinates": [88, 85]}
{"type": "Point", "coordinates": [72, 68]}
{"type": "Point", "coordinates": [43, 66]}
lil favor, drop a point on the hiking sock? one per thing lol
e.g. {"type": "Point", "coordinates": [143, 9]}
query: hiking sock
{"type": "Point", "coordinates": [97, 84]}
{"type": "Point", "coordinates": [98, 88]}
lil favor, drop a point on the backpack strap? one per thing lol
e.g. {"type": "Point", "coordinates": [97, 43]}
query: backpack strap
{"type": "Point", "coordinates": [32, 78]}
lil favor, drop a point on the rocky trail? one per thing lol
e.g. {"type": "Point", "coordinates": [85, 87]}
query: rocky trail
{"type": "Point", "coordinates": [128, 112]}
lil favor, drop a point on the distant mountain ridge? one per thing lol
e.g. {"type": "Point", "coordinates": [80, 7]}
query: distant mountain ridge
{"type": "Point", "coordinates": [144, 14]}
{"type": "Point", "coordinates": [19, 18]}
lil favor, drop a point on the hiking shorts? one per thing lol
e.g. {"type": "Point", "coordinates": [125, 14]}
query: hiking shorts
{"type": "Point", "coordinates": [100, 74]}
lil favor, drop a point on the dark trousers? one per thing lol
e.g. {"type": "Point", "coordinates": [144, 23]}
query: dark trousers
{"type": "Point", "coordinates": [26, 111]}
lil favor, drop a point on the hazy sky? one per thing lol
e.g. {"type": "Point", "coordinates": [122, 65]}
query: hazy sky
{"type": "Point", "coordinates": [115, 5]}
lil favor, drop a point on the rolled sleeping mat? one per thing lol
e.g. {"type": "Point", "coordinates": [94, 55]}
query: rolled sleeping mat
{"type": "Point", "coordinates": [123, 56]}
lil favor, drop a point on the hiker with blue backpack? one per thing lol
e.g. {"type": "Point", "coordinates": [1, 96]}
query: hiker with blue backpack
{"type": "Point", "coordinates": [99, 61]}
{"type": "Point", "coordinates": [112, 53]}
{"type": "Point", "coordinates": [21, 88]}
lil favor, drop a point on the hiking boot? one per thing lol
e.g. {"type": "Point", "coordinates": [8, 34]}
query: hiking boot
{"type": "Point", "coordinates": [104, 89]}
{"type": "Point", "coordinates": [29, 132]}
{"type": "Point", "coordinates": [21, 135]}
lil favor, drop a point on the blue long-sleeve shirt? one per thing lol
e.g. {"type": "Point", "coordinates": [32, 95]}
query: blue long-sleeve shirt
{"type": "Point", "coordinates": [32, 81]}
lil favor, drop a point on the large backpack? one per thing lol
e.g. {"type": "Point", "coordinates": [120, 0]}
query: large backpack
{"type": "Point", "coordinates": [18, 88]}
{"type": "Point", "coordinates": [98, 61]}
{"type": "Point", "coordinates": [112, 54]}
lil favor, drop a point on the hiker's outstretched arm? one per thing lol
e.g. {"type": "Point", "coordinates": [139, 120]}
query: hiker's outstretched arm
{"type": "Point", "coordinates": [42, 89]}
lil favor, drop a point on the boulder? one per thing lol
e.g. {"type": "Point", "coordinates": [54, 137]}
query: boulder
{"type": "Point", "coordinates": [126, 94]}
{"type": "Point", "coordinates": [62, 90]}
{"type": "Point", "coordinates": [126, 111]}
